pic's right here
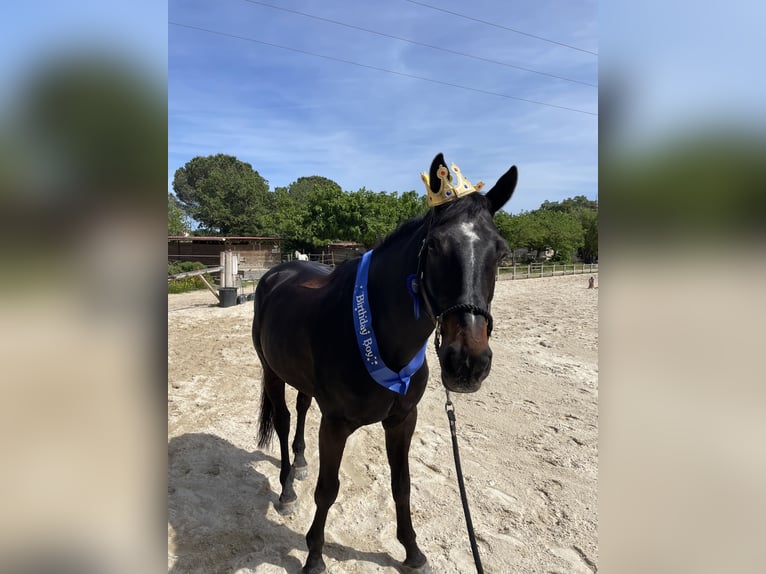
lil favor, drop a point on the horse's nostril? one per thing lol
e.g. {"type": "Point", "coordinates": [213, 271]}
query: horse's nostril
{"type": "Point", "coordinates": [480, 364]}
{"type": "Point", "coordinates": [461, 362]}
{"type": "Point", "coordinates": [456, 359]}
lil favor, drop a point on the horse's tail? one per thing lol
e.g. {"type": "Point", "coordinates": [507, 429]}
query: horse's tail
{"type": "Point", "coordinates": [266, 427]}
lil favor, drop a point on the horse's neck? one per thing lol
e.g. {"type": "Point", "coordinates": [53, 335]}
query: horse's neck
{"type": "Point", "coordinates": [400, 334]}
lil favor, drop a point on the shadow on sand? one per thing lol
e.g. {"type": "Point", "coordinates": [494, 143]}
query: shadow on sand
{"type": "Point", "coordinates": [218, 508]}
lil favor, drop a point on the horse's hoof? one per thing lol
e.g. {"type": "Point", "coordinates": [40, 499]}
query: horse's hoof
{"type": "Point", "coordinates": [316, 568]}
{"type": "Point", "coordinates": [422, 569]}
{"type": "Point", "coordinates": [286, 507]}
{"type": "Point", "coordinates": [300, 472]}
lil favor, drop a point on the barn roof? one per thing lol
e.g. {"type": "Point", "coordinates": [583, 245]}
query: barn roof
{"type": "Point", "coordinates": [223, 239]}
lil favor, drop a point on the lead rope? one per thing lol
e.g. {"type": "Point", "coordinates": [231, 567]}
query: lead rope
{"type": "Point", "coordinates": [450, 408]}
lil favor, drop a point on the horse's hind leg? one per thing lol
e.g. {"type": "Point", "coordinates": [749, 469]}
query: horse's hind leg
{"type": "Point", "coordinates": [300, 467]}
{"type": "Point", "coordinates": [274, 388]}
{"type": "Point", "coordinates": [398, 437]}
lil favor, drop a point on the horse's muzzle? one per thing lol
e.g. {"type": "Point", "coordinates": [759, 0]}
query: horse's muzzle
{"type": "Point", "coordinates": [463, 370]}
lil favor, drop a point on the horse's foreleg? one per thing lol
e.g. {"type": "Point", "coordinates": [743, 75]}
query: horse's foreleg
{"type": "Point", "coordinates": [300, 467]}
{"type": "Point", "coordinates": [332, 440]}
{"type": "Point", "coordinates": [398, 438]}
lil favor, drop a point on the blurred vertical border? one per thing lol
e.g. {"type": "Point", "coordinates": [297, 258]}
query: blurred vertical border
{"type": "Point", "coordinates": [83, 156]}
{"type": "Point", "coordinates": [682, 162]}
{"type": "Point", "coordinates": [83, 333]}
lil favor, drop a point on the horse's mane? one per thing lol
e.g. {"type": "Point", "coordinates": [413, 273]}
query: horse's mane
{"type": "Point", "coordinates": [470, 205]}
{"type": "Point", "coordinates": [404, 228]}
{"type": "Point", "coordinates": [349, 266]}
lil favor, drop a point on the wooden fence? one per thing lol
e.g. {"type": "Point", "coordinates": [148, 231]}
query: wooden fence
{"type": "Point", "coordinates": [531, 270]}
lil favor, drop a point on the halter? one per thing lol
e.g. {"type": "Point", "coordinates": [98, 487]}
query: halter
{"type": "Point", "coordinates": [416, 286]}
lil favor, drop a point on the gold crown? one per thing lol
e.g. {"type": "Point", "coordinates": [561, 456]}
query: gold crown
{"type": "Point", "coordinates": [447, 191]}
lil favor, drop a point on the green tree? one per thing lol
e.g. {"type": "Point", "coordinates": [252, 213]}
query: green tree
{"type": "Point", "coordinates": [410, 205]}
{"type": "Point", "coordinates": [571, 205]}
{"type": "Point", "coordinates": [375, 213]}
{"type": "Point", "coordinates": [303, 188]}
{"type": "Point", "coordinates": [522, 231]}
{"type": "Point", "coordinates": [326, 216]}
{"type": "Point", "coordinates": [561, 232]}
{"type": "Point", "coordinates": [309, 212]}
{"type": "Point", "coordinates": [177, 220]}
{"type": "Point", "coordinates": [585, 211]}
{"type": "Point", "coordinates": [589, 251]}
{"type": "Point", "coordinates": [225, 195]}
{"type": "Point", "coordinates": [289, 219]}
{"type": "Point", "coordinates": [541, 230]}
{"type": "Point", "coordinates": [313, 211]}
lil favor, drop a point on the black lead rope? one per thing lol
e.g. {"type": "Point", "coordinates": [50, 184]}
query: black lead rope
{"type": "Point", "coordinates": [450, 408]}
{"type": "Point", "coordinates": [419, 287]}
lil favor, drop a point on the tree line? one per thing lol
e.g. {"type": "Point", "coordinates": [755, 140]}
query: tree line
{"type": "Point", "coordinates": [568, 228]}
{"type": "Point", "coordinates": [226, 196]}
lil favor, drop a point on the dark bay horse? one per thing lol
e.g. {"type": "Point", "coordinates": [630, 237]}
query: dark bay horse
{"type": "Point", "coordinates": [331, 333]}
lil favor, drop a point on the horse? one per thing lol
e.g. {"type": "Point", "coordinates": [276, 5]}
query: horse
{"type": "Point", "coordinates": [301, 256]}
{"type": "Point", "coordinates": [354, 337]}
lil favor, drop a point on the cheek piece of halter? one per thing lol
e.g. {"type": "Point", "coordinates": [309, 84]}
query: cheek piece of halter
{"type": "Point", "coordinates": [417, 286]}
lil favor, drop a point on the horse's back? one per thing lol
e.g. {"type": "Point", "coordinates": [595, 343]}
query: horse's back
{"type": "Point", "coordinates": [287, 299]}
{"type": "Point", "coordinates": [290, 273]}
{"type": "Point", "coordinates": [286, 288]}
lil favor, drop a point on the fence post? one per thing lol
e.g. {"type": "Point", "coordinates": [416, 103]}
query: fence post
{"type": "Point", "coordinates": [229, 268]}
{"type": "Point", "coordinates": [513, 273]}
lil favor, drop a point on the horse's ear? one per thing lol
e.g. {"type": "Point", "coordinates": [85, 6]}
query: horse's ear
{"type": "Point", "coordinates": [433, 180]}
{"type": "Point", "coordinates": [502, 190]}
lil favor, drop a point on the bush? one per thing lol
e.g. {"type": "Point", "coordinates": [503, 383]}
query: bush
{"type": "Point", "coordinates": [187, 283]}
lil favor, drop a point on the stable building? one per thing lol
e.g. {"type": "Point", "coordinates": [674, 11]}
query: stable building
{"type": "Point", "coordinates": [254, 252]}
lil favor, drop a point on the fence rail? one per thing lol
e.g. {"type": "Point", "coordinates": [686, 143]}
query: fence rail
{"type": "Point", "coordinates": [531, 270]}
{"type": "Point", "coordinates": [194, 273]}
{"type": "Point", "coordinates": [516, 271]}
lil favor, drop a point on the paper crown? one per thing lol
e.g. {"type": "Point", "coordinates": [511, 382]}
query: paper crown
{"type": "Point", "coordinates": [447, 191]}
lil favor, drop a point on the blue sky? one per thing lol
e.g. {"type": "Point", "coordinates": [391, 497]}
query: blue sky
{"type": "Point", "coordinates": [34, 33]}
{"type": "Point", "coordinates": [681, 66]}
{"type": "Point", "coordinates": [291, 114]}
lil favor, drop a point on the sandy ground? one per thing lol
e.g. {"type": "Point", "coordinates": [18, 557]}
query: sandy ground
{"type": "Point", "coordinates": [528, 440]}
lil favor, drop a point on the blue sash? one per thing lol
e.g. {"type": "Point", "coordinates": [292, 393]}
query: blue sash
{"type": "Point", "coordinates": [368, 344]}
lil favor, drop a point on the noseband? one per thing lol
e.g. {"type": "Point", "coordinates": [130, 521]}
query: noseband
{"type": "Point", "coordinates": [465, 307]}
{"type": "Point", "coordinates": [468, 308]}
{"type": "Point", "coordinates": [419, 287]}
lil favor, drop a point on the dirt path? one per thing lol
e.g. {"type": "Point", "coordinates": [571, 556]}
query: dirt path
{"type": "Point", "coordinates": [528, 439]}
